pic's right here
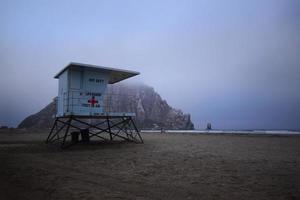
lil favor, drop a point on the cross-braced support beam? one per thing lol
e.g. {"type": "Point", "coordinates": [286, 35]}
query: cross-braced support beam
{"type": "Point", "coordinates": [106, 128]}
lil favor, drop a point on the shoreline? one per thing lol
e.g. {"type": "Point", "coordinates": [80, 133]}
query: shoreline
{"type": "Point", "coordinates": [228, 132]}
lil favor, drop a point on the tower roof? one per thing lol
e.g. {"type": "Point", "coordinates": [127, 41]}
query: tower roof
{"type": "Point", "coordinates": [115, 75]}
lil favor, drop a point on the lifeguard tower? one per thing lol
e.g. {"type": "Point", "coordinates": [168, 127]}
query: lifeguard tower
{"type": "Point", "coordinates": [85, 108]}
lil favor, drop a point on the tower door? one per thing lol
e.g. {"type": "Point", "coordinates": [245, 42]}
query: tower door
{"type": "Point", "coordinates": [75, 79]}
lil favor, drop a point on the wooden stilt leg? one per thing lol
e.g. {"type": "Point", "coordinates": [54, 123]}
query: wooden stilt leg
{"type": "Point", "coordinates": [137, 131]}
{"type": "Point", "coordinates": [66, 133]}
{"type": "Point", "coordinates": [54, 125]}
{"type": "Point", "coordinates": [109, 129]}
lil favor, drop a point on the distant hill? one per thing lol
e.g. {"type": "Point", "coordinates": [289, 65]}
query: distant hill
{"type": "Point", "coordinates": [151, 111]}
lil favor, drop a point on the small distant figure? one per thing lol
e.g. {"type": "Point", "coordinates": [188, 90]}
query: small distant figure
{"type": "Point", "coordinates": [208, 127]}
{"type": "Point", "coordinates": [162, 130]}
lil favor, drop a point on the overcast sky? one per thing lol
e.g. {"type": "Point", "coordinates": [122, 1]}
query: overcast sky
{"type": "Point", "coordinates": [233, 63]}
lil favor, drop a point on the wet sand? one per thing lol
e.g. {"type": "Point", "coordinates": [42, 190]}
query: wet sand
{"type": "Point", "coordinates": [166, 166]}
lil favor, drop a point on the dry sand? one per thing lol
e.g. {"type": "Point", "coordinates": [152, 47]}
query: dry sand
{"type": "Point", "coordinates": [167, 166]}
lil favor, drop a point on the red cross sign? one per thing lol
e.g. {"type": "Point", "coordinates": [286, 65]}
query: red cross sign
{"type": "Point", "coordinates": [92, 101]}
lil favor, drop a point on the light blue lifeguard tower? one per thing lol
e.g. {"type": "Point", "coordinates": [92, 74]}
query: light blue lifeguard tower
{"type": "Point", "coordinates": [84, 107]}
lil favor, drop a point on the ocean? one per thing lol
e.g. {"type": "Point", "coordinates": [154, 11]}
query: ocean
{"type": "Point", "coordinates": [254, 132]}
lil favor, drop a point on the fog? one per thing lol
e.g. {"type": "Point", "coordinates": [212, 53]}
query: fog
{"type": "Point", "coordinates": [235, 64]}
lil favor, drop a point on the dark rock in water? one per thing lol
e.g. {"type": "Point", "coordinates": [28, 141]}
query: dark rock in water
{"type": "Point", "coordinates": [208, 127]}
{"type": "Point", "coordinates": [151, 111]}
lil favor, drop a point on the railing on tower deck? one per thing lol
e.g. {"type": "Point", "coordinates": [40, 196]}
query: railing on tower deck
{"type": "Point", "coordinates": [107, 102]}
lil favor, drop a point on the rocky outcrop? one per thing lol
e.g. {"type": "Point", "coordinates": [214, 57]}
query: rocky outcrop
{"type": "Point", "coordinates": [42, 119]}
{"type": "Point", "coordinates": [151, 111]}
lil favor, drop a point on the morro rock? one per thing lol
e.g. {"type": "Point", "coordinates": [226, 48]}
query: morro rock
{"type": "Point", "coordinates": [151, 111]}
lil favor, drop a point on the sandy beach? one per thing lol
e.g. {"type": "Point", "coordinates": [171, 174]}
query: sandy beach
{"type": "Point", "coordinates": [166, 166]}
